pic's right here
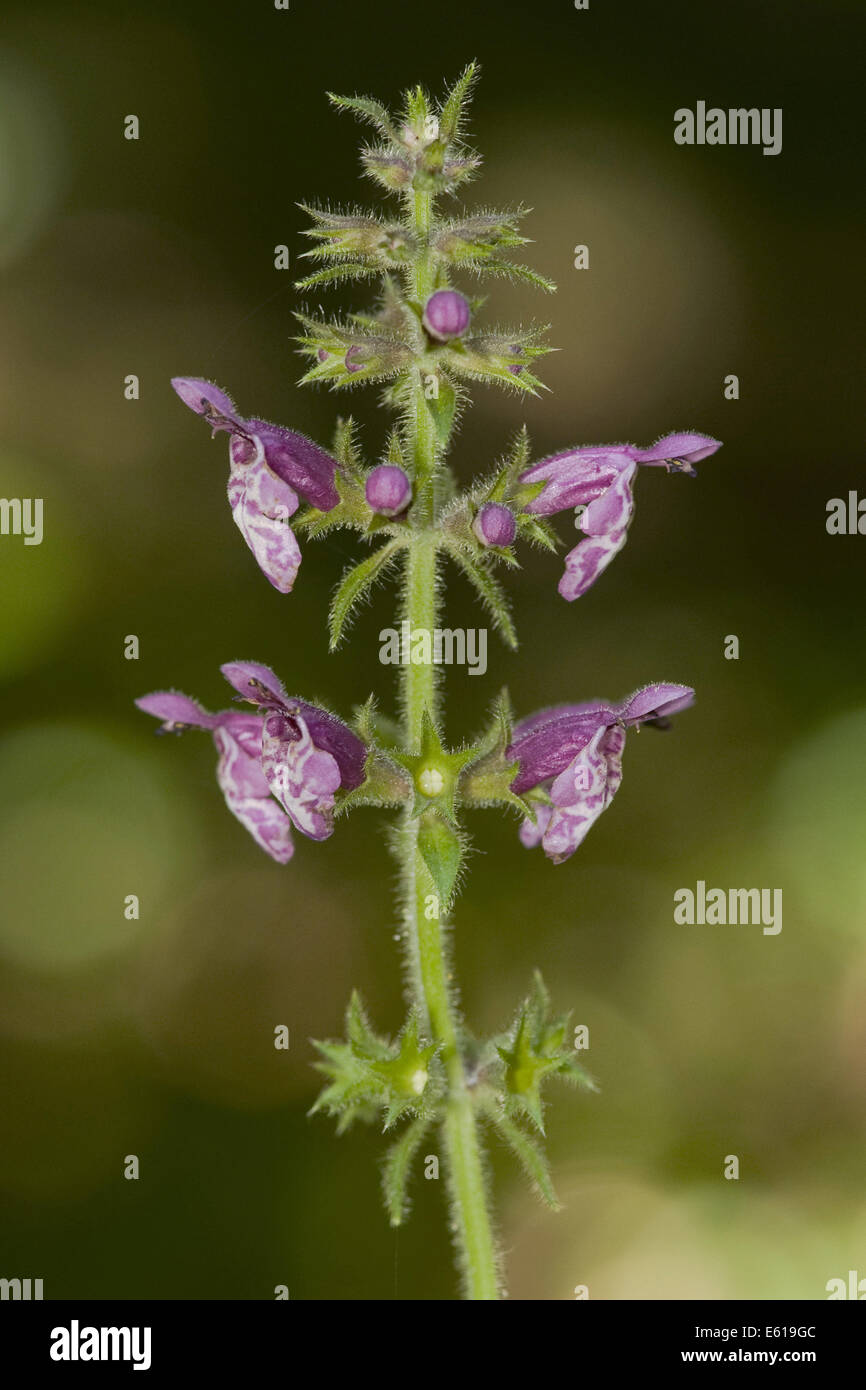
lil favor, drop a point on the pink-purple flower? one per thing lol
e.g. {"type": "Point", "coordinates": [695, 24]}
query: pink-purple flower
{"type": "Point", "coordinates": [599, 480]}
{"type": "Point", "coordinates": [289, 750]}
{"type": "Point", "coordinates": [307, 753]}
{"type": "Point", "coordinates": [271, 469]}
{"type": "Point", "coordinates": [573, 753]}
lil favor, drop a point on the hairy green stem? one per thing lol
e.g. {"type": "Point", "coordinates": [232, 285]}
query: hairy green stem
{"type": "Point", "coordinates": [419, 609]}
{"type": "Point", "coordinates": [428, 966]}
{"type": "Point", "coordinates": [464, 1164]}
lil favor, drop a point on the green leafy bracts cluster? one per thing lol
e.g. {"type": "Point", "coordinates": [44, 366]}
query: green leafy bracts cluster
{"type": "Point", "coordinates": [412, 253]}
{"type": "Point", "coordinates": [368, 1074]}
{"type": "Point", "coordinates": [371, 1077]}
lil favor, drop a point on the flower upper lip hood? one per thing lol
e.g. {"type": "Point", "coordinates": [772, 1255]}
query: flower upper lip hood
{"type": "Point", "coordinates": [271, 468]}
{"type": "Point", "coordinates": [677, 449]}
{"type": "Point", "coordinates": [546, 742]}
{"type": "Point", "coordinates": [576, 477]}
{"type": "Point", "coordinates": [600, 479]}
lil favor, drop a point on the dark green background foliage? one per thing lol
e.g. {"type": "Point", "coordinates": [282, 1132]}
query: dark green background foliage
{"type": "Point", "coordinates": [155, 1037]}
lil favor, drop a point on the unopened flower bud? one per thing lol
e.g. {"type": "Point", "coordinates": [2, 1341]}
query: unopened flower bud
{"type": "Point", "coordinates": [446, 315]}
{"type": "Point", "coordinates": [388, 490]}
{"type": "Point", "coordinates": [495, 524]}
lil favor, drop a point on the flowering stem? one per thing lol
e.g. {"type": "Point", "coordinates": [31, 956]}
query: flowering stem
{"type": "Point", "coordinates": [286, 765]}
{"type": "Point", "coordinates": [428, 966]}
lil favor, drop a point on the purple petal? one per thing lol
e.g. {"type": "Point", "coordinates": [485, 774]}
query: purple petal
{"type": "Point", "coordinates": [532, 833]}
{"type": "Point", "coordinates": [688, 446]}
{"type": "Point", "coordinates": [208, 400]}
{"type": "Point", "coordinates": [299, 462]}
{"type": "Point", "coordinates": [587, 561]}
{"type": "Point", "coordinates": [583, 791]}
{"type": "Point", "coordinates": [245, 729]}
{"type": "Point", "coordinates": [303, 777]}
{"type": "Point", "coordinates": [177, 711]}
{"type": "Point", "coordinates": [333, 736]}
{"type": "Point", "coordinates": [248, 797]}
{"type": "Point", "coordinates": [612, 509]}
{"type": "Point", "coordinates": [257, 683]}
{"type": "Point", "coordinates": [545, 747]}
{"type": "Point", "coordinates": [575, 477]}
{"type": "Point", "coordinates": [261, 506]}
{"type": "Point", "coordinates": [655, 701]}
{"type": "Point", "coordinates": [604, 711]}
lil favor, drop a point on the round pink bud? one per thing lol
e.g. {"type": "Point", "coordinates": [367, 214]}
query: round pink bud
{"type": "Point", "coordinates": [355, 358]}
{"type": "Point", "coordinates": [495, 524]}
{"type": "Point", "coordinates": [388, 490]}
{"type": "Point", "coordinates": [446, 315]}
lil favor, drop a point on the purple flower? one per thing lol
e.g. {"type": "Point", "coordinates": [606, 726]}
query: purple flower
{"type": "Point", "coordinates": [238, 738]}
{"type": "Point", "coordinates": [289, 750]}
{"type": "Point", "coordinates": [574, 754]}
{"type": "Point", "coordinates": [446, 315]}
{"type": "Point", "coordinates": [599, 480]}
{"type": "Point", "coordinates": [307, 753]}
{"type": "Point", "coordinates": [388, 490]}
{"type": "Point", "coordinates": [270, 468]}
{"type": "Point", "coordinates": [495, 524]}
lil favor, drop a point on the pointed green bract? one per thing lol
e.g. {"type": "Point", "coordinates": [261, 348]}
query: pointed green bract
{"type": "Point", "coordinates": [417, 109]}
{"type": "Point", "coordinates": [487, 780]}
{"type": "Point", "coordinates": [530, 1155]}
{"type": "Point", "coordinates": [537, 1048]}
{"type": "Point", "coordinates": [538, 531]}
{"type": "Point", "coordinates": [397, 1169]}
{"type": "Point", "coordinates": [518, 274]}
{"type": "Point", "coordinates": [368, 110]}
{"type": "Point", "coordinates": [356, 585]}
{"type": "Point", "coordinates": [454, 106]}
{"type": "Point", "coordinates": [359, 1031]}
{"type": "Point", "coordinates": [373, 727]}
{"type": "Point", "coordinates": [490, 592]}
{"type": "Point", "coordinates": [384, 784]}
{"type": "Point", "coordinates": [334, 274]}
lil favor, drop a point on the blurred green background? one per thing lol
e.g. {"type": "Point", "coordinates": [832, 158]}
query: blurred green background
{"type": "Point", "coordinates": [154, 1037]}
